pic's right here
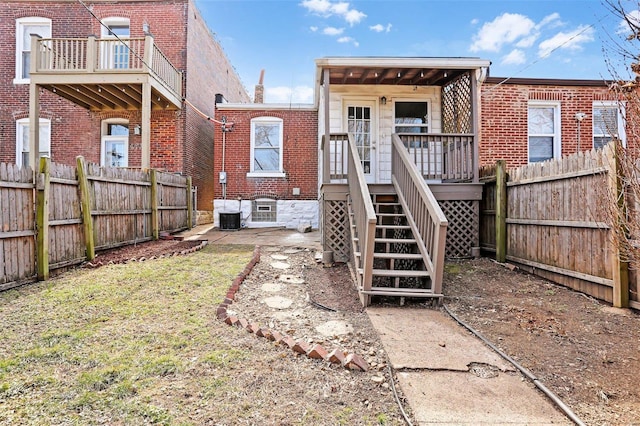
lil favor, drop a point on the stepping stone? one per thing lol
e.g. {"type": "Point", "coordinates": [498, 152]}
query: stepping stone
{"type": "Point", "coordinates": [291, 279]}
{"type": "Point", "coordinates": [292, 250]}
{"type": "Point", "coordinates": [334, 328]}
{"type": "Point", "coordinates": [278, 302]}
{"type": "Point", "coordinates": [271, 287]}
{"type": "Point", "coordinates": [280, 265]}
{"type": "Point", "coordinates": [279, 257]}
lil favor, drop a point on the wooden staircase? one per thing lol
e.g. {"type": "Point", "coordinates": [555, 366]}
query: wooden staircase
{"type": "Point", "coordinates": [399, 267]}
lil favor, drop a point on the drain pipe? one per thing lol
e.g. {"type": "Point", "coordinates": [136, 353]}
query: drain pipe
{"type": "Point", "coordinates": [556, 400]}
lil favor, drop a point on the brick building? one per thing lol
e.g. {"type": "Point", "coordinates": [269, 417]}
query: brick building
{"type": "Point", "coordinates": [120, 107]}
{"type": "Point", "coordinates": [528, 120]}
{"type": "Point", "coordinates": [267, 166]}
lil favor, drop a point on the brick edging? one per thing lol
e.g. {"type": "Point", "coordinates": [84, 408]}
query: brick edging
{"type": "Point", "coordinates": [350, 361]}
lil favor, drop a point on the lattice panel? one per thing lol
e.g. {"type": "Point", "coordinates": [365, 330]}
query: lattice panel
{"type": "Point", "coordinates": [463, 228]}
{"type": "Point", "coordinates": [457, 106]}
{"type": "Point", "coordinates": [335, 228]}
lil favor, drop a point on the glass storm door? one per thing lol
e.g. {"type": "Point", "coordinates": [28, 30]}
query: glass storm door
{"type": "Point", "coordinates": [361, 125]}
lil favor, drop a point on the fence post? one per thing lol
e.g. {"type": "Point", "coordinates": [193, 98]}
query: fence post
{"type": "Point", "coordinates": [154, 204]}
{"type": "Point", "coordinates": [501, 211]}
{"type": "Point", "coordinates": [189, 204]}
{"type": "Point", "coordinates": [85, 203]}
{"type": "Point", "coordinates": [43, 184]}
{"type": "Point", "coordinates": [620, 266]}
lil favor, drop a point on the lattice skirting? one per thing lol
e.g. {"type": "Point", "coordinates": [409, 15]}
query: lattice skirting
{"type": "Point", "coordinates": [335, 229]}
{"type": "Point", "coordinates": [463, 230]}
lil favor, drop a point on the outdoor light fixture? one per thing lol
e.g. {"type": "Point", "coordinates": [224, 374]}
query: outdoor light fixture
{"type": "Point", "coordinates": [383, 100]}
{"type": "Point", "coordinates": [136, 129]}
{"type": "Point", "coordinates": [145, 28]}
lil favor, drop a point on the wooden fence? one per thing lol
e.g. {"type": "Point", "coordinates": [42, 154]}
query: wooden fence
{"type": "Point", "coordinates": [553, 219]}
{"type": "Point", "coordinates": [68, 213]}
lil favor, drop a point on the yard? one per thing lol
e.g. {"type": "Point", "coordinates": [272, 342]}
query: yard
{"type": "Point", "coordinates": [139, 343]}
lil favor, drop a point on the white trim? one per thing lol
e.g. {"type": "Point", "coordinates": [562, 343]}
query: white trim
{"type": "Point", "coordinates": [373, 103]}
{"type": "Point", "coordinates": [269, 173]}
{"type": "Point", "coordinates": [104, 138]}
{"type": "Point", "coordinates": [20, 24]}
{"type": "Point", "coordinates": [22, 130]}
{"type": "Point", "coordinates": [557, 125]}
{"type": "Point", "coordinates": [428, 126]}
{"type": "Point", "coordinates": [621, 118]}
{"type": "Point", "coordinates": [113, 21]}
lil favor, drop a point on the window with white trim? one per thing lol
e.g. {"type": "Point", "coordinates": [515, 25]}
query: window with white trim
{"type": "Point", "coordinates": [115, 143]}
{"type": "Point", "coordinates": [544, 131]}
{"type": "Point", "coordinates": [264, 210]}
{"type": "Point", "coordinates": [25, 27]}
{"type": "Point", "coordinates": [114, 51]}
{"type": "Point", "coordinates": [22, 140]}
{"type": "Point", "coordinates": [608, 123]}
{"type": "Point", "coordinates": [266, 147]}
{"type": "Point", "coordinates": [411, 117]}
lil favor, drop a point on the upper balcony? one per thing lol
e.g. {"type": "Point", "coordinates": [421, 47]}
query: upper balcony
{"type": "Point", "coordinates": [106, 74]}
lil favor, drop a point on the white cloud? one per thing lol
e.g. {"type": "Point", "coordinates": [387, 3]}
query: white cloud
{"type": "Point", "coordinates": [313, 29]}
{"type": "Point", "coordinates": [348, 40]}
{"type": "Point", "coordinates": [327, 8]}
{"type": "Point", "coordinates": [572, 40]}
{"type": "Point", "coordinates": [332, 31]}
{"type": "Point", "coordinates": [380, 28]}
{"type": "Point", "coordinates": [552, 20]}
{"type": "Point", "coordinates": [285, 95]}
{"type": "Point", "coordinates": [506, 28]}
{"type": "Point", "coordinates": [624, 28]}
{"type": "Point", "coordinates": [515, 57]}
{"type": "Point", "coordinates": [475, 21]}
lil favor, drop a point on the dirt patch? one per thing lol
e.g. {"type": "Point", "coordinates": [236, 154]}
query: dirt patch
{"type": "Point", "coordinates": [141, 251]}
{"type": "Point", "coordinates": [586, 352]}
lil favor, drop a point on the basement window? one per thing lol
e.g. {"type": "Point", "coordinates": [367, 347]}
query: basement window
{"type": "Point", "coordinates": [264, 210]}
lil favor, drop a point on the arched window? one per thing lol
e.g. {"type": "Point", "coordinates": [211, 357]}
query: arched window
{"type": "Point", "coordinates": [115, 143]}
{"type": "Point", "coordinates": [266, 147]}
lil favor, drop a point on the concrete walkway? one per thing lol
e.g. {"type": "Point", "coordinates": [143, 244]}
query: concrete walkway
{"type": "Point", "coordinates": [448, 376]}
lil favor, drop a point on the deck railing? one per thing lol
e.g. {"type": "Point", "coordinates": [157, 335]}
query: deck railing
{"type": "Point", "coordinates": [422, 210]}
{"type": "Point", "coordinates": [364, 217]}
{"type": "Point", "coordinates": [93, 55]}
{"type": "Point", "coordinates": [334, 158]}
{"type": "Point", "coordinates": [446, 157]}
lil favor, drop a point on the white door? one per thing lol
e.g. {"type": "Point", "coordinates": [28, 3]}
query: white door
{"type": "Point", "coordinates": [361, 124]}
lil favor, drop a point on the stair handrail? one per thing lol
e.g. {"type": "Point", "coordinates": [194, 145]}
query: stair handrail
{"type": "Point", "coordinates": [414, 194]}
{"type": "Point", "coordinates": [364, 215]}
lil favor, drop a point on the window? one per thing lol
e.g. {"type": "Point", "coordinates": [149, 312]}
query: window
{"type": "Point", "coordinates": [25, 27]}
{"type": "Point", "coordinates": [115, 143]}
{"type": "Point", "coordinates": [22, 140]}
{"type": "Point", "coordinates": [264, 210]}
{"type": "Point", "coordinates": [266, 147]}
{"type": "Point", "coordinates": [544, 131]}
{"type": "Point", "coordinates": [114, 52]}
{"type": "Point", "coordinates": [608, 122]}
{"type": "Point", "coordinates": [411, 117]}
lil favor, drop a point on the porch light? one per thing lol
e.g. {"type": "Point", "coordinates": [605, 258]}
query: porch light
{"type": "Point", "coordinates": [383, 100]}
{"type": "Point", "coordinates": [136, 129]}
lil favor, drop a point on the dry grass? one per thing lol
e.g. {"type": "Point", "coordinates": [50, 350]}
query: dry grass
{"type": "Point", "coordinates": [129, 344]}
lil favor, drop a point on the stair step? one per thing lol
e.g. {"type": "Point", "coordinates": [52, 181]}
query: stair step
{"type": "Point", "coordinates": [396, 273]}
{"type": "Point", "coordinates": [377, 255]}
{"type": "Point", "coordinates": [400, 292]}
{"type": "Point", "coordinates": [401, 227]}
{"type": "Point", "coordinates": [396, 240]}
{"type": "Point", "coordinates": [390, 214]}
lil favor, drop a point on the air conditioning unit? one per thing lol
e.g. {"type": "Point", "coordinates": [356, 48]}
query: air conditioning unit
{"type": "Point", "coordinates": [230, 221]}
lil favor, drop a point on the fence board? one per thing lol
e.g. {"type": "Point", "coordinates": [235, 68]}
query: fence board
{"type": "Point", "coordinates": [119, 203]}
{"type": "Point", "coordinates": [17, 235]}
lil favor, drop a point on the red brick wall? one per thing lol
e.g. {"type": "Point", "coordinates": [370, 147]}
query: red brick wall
{"type": "Point", "coordinates": [300, 156]}
{"type": "Point", "coordinates": [180, 141]}
{"type": "Point", "coordinates": [504, 111]}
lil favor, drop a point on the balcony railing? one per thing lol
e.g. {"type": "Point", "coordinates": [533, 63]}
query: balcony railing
{"type": "Point", "coordinates": [445, 157]}
{"type": "Point", "coordinates": [93, 55]}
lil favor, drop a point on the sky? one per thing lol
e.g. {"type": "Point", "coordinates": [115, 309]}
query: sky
{"type": "Point", "coordinates": [566, 39]}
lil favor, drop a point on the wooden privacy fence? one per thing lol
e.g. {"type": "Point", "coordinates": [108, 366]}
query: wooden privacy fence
{"type": "Point", "coordinates": [68, 213]}
{"type": "Point", "coordinates": [553, 219]}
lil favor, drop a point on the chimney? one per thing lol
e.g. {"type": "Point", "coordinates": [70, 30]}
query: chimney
{"type": "Point", "coordinates": [258, 97]}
